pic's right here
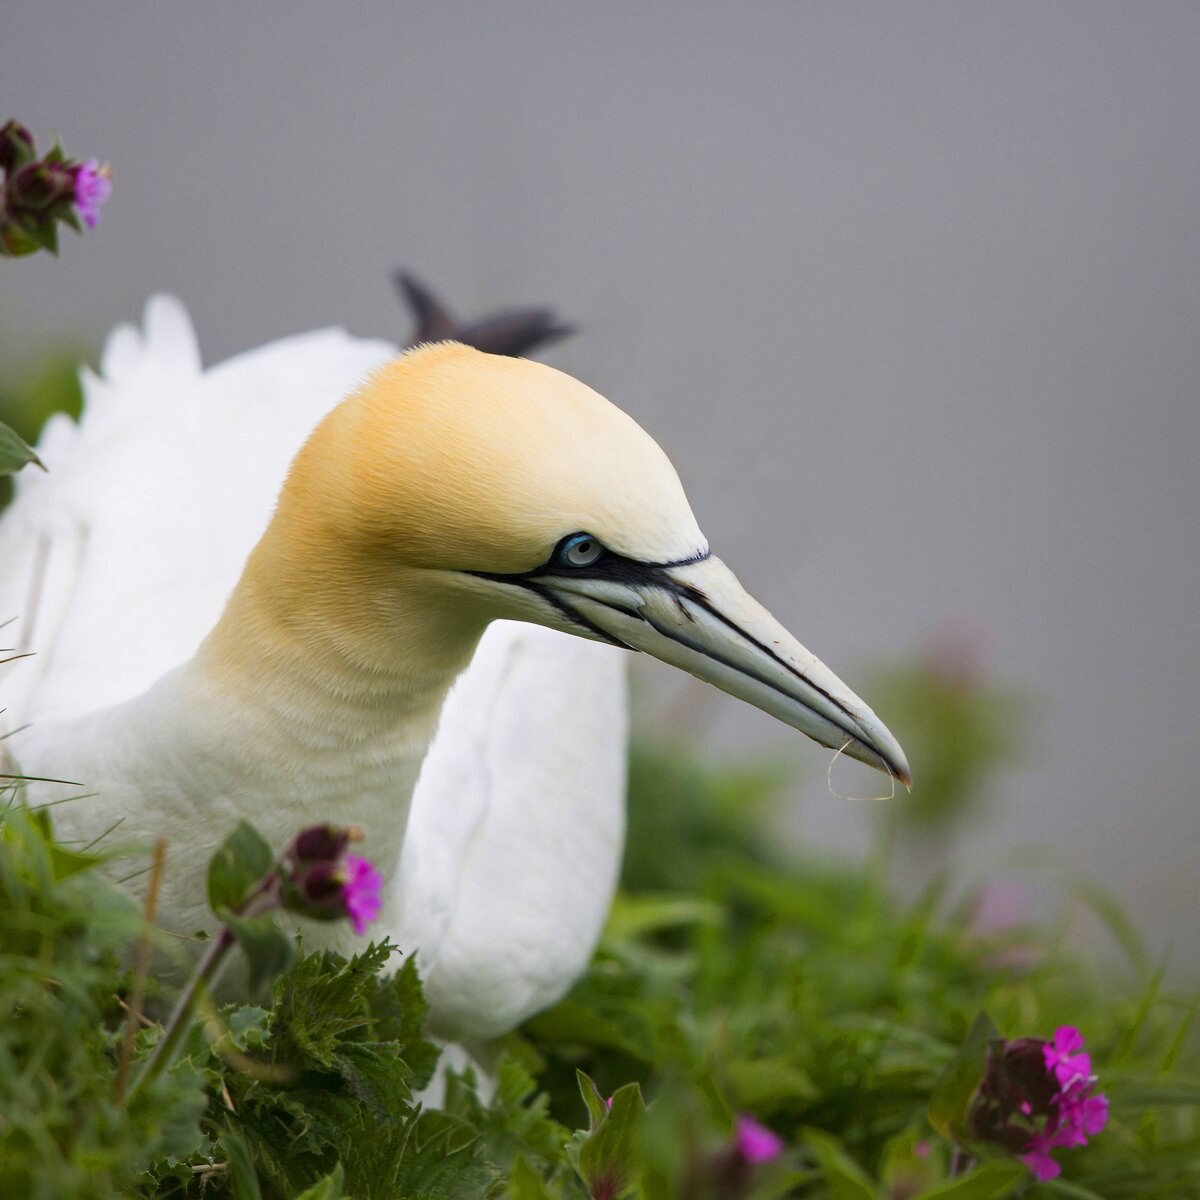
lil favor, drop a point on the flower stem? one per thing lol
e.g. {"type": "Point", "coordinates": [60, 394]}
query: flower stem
{"type": "Point", "coordinates": [264, 898]}
{"type": "Point", "coordinates": [960, 1162]}
{"type": "Point", "coordinates": [137, 992]}
{"type": "Point", "coordinates": [181, 1016]}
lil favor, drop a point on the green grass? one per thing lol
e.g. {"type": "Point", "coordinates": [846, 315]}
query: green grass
{"type": "Point", "coordinates": [731, 979]}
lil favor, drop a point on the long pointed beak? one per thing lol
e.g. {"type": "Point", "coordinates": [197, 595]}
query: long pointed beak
{"type": "Point", "coordinates": [698, 617]}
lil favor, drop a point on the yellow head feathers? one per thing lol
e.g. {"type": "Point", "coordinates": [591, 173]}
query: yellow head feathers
{"type": "Point", "coordinates": [449, 458]}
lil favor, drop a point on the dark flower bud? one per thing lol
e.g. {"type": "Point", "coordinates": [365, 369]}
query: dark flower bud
{"type": "Point", "coordinates": [16, 147]}
{"type": "Point", "coordinates": [39, 187]}
{"type": "Point", "coordinates": [1019, 1077]}
{"type": "Point", "coordinates": [322, 885]}
{"type": "Point", "coordinates": [321, 843]}
{"type": "Point", "coordinates": [343, 886]}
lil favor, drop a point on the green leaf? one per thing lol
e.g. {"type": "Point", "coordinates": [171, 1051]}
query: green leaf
{"type": "Point", "coordinates": [991, 1181]}
{"type": "Point", "coordinates": [242, 1177]}
{"type": "Point", "coordinates": [759, 1083]}
{"type": "Point", "coordinates": [15, 242]}
{"type": "Point", "coordinates": [597, 1106]}
{"type": "Point", "coordinates": [442, 1158]}
{"type": "Point", "coordinates": [846, 1179]}
{"type": "Point", "coordinates": [609, 1157]}
{"type": "Point", "coordinates": [70, 862]}
{"type": "Point", "coordinates": [956, 1086]}
{"type": "Point", "coordinates": [268, 950]}
{"type": "Point", "coordinates": [524, 1184]}
{"type": "Point", "coordinates": [1064, 1187]}
{"type": "Point", "coordinates": [329, 1188]}
{"type": "Point", "coordinates": [45, 233]}
{"type": "Point", "coordinates": [239, 864]}
{"type": "Point", "coordinates": [15, 452]}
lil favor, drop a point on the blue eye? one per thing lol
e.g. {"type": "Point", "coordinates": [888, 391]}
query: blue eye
{"type": "Point", "coordinates": [580, 550]}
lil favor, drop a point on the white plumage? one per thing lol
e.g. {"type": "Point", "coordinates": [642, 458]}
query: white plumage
{"type": "Point", "coordinates": [118, 562]}
{"type": "Point", "coordinates": [443, 493]}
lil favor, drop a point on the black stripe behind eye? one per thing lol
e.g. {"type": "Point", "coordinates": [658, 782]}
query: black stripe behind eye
{"type": "Point", "coordinates": [612, 566]}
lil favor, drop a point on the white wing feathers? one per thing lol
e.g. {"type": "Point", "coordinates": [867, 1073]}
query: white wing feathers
{"type": "Point", "coordinates": [153, 502]}
{"type": "Point", "coordinates": [517, 827]}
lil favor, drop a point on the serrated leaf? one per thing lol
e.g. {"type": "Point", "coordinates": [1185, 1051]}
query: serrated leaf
{"type": "Point", "coordinates": [377, 1076]}
{"type": "Point", "coordinates": [247, 1027]}
{"type": "Point", "coordinates": [442, 1158]}
{"type": "Point", "coordinates": [15, 452]}
{"type": "Point", "coordinates": [239, 864]}
{"type": "Point", "coordinates": [268, 950]}
{"type": "Point", "coordinates": [846, 1179]}
{"type": "Point", "coordinates": [957, 1083]}
{"type": "Point", "coordinates": [992, 1181]}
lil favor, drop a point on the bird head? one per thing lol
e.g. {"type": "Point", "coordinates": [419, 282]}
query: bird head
{"type": "Point", "coordinates": [502, 488]}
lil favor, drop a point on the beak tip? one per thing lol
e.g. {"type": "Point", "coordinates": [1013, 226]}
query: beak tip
{"type": "Point", "coordinates": [895, 761]}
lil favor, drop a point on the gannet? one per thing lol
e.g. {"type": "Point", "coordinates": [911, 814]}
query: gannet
{"type": "Point", "coordinates": [447, 515]}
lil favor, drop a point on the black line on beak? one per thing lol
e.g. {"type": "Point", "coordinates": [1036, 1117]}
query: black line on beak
{"type": "Point", "coordinates": [563, 608]}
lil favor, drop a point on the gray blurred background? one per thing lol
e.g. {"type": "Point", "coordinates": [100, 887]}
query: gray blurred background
{"type": "Point", "coordinates": [910, 293]}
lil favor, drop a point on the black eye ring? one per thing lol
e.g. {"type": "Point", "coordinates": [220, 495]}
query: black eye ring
{"type": "Point", "coordinates": [579, 550]}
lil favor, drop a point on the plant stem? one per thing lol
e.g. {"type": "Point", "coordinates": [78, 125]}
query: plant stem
{"type": "Point", "coordinates": [137, 991]}
{"type": "Point", "coordinates": [181, 1016]}
{"type": "Point", "coordinates": [264, 898]}
{"type": "Point", "coordinates": [960, 1162]}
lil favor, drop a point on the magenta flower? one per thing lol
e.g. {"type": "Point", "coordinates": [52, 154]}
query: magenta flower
{"type": "Point", "coordinates": [1038, 1096]}
{"type": "Point", "coordinates": [1062, 1059]}
{"type": "Point", "coordinates": [93, 186]}
{"type": "Point", "coordinates": [362, 892]}
{"type": "Point", "coordinates": [319, 879]}
{"type": "Point", "coordinates": [1037, 1157]}
{"type": "Point", "coordinates": [756, 1143]}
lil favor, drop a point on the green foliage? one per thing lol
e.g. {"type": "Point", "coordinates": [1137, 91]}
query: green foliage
{"type": "Point", "coordinates": [15, 452]}
{"type": "Point", "coordinates": [730, 980]}
{"type": "Point", "coordinates": [28, 397]}
{"type": "Point", "coordinates": [811, 997]}
{"type": "Point", "coordinates": [238, 865]}
{"type": "Point", "coordinates": [958, 733]}
{"type": "Point", "coordinates": [62, 1133]}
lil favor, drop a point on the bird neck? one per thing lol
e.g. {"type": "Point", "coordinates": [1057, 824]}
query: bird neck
{"type": "Point", "coordinates": [338, 632]}
{"type": "Point", "coordinates": [326, 675]}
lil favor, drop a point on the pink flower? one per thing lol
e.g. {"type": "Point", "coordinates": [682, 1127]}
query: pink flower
{"type": "Point", "coordinates": [1037, 1097]}
{"type": "Point", "coordinates": [93, 186]}
{"type": "Point", "coordinates": [1062, 1059]}
{"type": "Point", "coordinates": [1092, 1113]}
{"type": "Point", "coordinates": [362, 892]}
{"type": "Point", "coordinates": [756, 1143]}
{"type": "Point", "coordinates": [1038, 1159]}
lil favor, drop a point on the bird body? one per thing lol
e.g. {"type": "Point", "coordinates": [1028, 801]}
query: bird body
{"type": "Point", "coordinates": [119, 562]}
{"type": "Point", "coordinates": [438, 497]}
